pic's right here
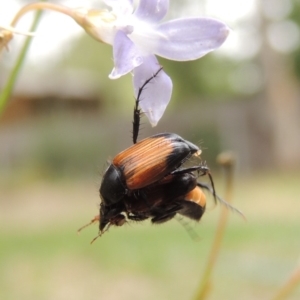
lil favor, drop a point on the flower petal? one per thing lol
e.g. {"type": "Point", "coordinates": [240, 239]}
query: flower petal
{"type": "Point", "coordinates": [126, 55]}
{"type": "Point", "coordinates": [120, 7]}
{"type": "Point", "coordinates": [188, 39]}
{"type": "Point", "coordinates": [157, 94]}
{"type": "Point", "coordinates": [152, 10]}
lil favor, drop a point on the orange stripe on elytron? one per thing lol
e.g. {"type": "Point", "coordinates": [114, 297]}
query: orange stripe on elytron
{"type": "Point", "coordinates": [138, 149]}
{"type": "Point", "coordinates": [145, 162]}
{"type": "Point", "coordinates": [196, 195]}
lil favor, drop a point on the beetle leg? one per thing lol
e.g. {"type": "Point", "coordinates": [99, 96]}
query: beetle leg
{"type": "Point", "coordinates": [185, 170]}
{"type": "Point", "coordinates": [219, 199]}
{"type": "Point", "coordinates": [164, 215]}
{"type": "Point", "coordinates": [95, 219]}
{"type": "Point", "coordinates": [95, 238]}
{"type": "Point", "coordinates": [137, 111]}
{"type": "Point", "coordinates": [202, 170]}
{"type": "Point", "coordinates": [137, 218]}
{"type": "Point", "coordinates": [136, 119]}
{"type": "Point", "coordinates": [163, 218]}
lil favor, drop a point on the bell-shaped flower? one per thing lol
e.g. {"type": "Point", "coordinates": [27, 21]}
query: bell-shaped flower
{"type": "Point", "coordinates": [137, 36]}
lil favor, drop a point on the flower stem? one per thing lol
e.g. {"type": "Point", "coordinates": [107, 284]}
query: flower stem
{"type": "Point", "coordinates": [227, 161]}
{"type": "Point", "coordinates": [40, 6]}
{"type": "Point", "coordinates": [289, 286]}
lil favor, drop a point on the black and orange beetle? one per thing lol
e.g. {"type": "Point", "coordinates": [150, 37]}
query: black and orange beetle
{"type": "Point", "coordinates": [148, 180]}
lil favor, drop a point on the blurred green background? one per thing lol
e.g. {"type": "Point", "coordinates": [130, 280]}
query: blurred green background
{"type": "Point", "coordinates": [66, 119]}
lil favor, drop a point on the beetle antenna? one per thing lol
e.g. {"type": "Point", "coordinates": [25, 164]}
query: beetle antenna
{"type": "Point", "coordinates": [95, 219]}
{"type": "Point", "coordinates": [205, 171]}
{"type": "Point", "coordinates": [220, 200]}
{"type": "Point", "coordinates": [136, 119]}
{"type": "Point", "coordinates": [137, 111]}
{"type": "Point", "coordinates": [95, 238]}
{"type": "Point", "coordinates": [202, 170]}
{"type": "Point", "coordinates": [212, 186]}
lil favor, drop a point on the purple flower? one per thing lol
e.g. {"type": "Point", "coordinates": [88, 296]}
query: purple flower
{"type": "Point", "coordinates": [137, 36]}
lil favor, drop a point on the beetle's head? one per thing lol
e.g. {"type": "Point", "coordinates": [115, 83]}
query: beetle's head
{"type": "Point", "coordinates": [113, 188]}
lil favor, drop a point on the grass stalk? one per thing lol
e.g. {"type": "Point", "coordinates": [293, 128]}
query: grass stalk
{"type": "Point", "coordinates": [8, 87]}
{"type": "Point", "coordinates": [227, 161]}
{"type": "Point", "coordinates": [289, 286]}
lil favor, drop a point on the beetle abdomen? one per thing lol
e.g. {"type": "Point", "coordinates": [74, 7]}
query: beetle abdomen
{"type": "Point", "coordinates": [193, 206]}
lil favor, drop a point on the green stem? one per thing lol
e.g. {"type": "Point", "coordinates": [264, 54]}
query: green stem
{"type": "Point", "coordinates": [7, 89]}
{"type": "Point", "coordinates": [39, 6]}
{"type": "Point", "coordinates": [227, 161]}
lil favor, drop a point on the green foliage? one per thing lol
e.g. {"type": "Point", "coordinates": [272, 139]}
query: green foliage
{"type": "Point", "coordinates": [61, 145]}
{"type": "Point", "coordinates": [295, 17]}
{"type": "Point", "coordinates": [205, 77]}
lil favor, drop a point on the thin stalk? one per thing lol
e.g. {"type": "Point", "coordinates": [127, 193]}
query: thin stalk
{"type": "Point", "coordinates": [39, 6]}
{"type": "Point", "coordinates": [290, 285]}
{"type": "Point", "coordinates": [7, 89]}
{"type": "Point", "coordinates": [228, 162]}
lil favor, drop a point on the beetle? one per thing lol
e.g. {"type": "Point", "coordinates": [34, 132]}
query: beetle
{"type": "Point", "coordinates": [148, 180]}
